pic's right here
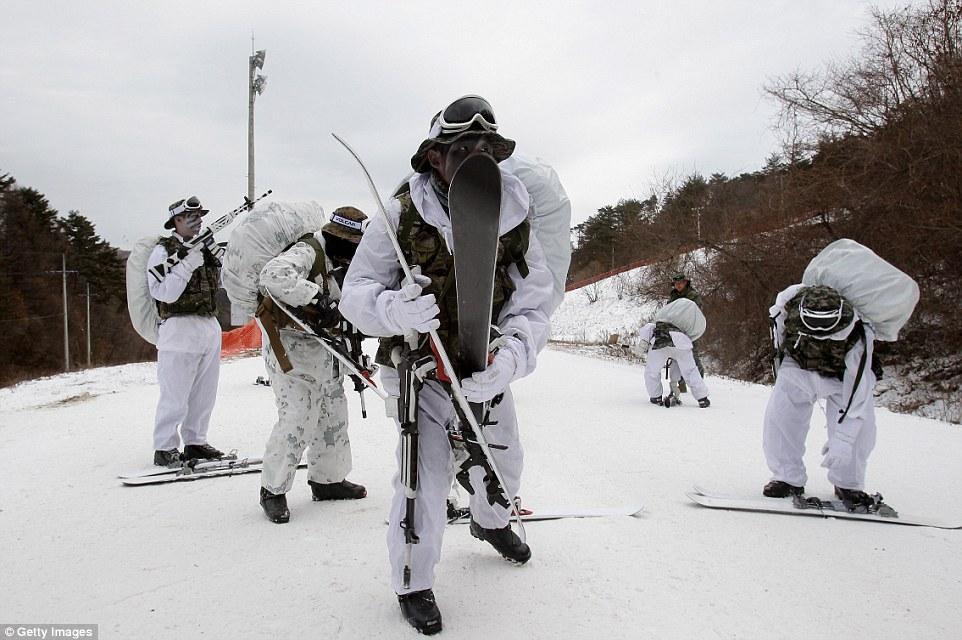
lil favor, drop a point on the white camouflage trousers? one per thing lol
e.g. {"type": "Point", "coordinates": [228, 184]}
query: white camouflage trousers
{"type": "Point", "coordinates": [436, 469]}
{"type": "Point", "coordinates": [685, 366]}
{"type": "Point", "coordinates": [188, 390]}
{"type": "Point", "coordinates": [311, 414]}
{"type": "Point", "coordinates": [788, 417]}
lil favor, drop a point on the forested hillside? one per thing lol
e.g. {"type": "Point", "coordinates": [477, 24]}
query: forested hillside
{"type": "Point", "coordinates": [873, 152]}
{"type": "Point", "coordinates": [35, 243]}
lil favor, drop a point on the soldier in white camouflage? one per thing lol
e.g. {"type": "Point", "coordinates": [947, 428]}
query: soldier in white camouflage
{"type": "Point", "coordinates": [188, 341]}
{"type": "Point", "coordinates": [308, 382]}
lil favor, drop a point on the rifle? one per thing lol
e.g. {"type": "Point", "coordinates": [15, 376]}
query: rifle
{"type": "Point", "coordinates": [204, 239]}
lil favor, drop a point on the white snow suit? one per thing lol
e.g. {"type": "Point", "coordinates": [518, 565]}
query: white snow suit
{"type": "Point", "coordinates": [683, 366]}
{"type": "Point", "coordinates": [789, 411]}
{"type": "Point", "coordinates": [188, 362]}
{"type": "Point", "coordinates": [375, 271]}
{"type": "Point", "coordinates": [311, 407]}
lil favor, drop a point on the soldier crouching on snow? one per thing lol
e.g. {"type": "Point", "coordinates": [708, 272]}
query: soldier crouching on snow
{"type": "Point", "coordinates": [377, 301]}
{"type": "Point", "coordinates": [307, 380]}
{"type": "Point", "coordinates": [189, 338]}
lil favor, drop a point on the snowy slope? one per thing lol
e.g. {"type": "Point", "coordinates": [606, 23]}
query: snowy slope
{"type": "Point", "coordinates": [199, 560]}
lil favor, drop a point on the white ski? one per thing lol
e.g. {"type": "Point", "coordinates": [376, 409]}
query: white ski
{"type": "Point", "coordinates": [529, 515]}
{"type": "Point", "coordinates": [821, 508]}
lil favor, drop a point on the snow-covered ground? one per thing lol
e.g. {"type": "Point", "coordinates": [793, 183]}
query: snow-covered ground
{"type": "Point", "coordinates": [199, 560]}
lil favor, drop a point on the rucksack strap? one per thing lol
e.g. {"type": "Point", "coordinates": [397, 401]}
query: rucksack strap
{"type": "Point", "coordinates": [267, 314]}
{"type": "Point", "coordinates": [858, 374]}
{"type": "Point", "coordinates": [320, 260]}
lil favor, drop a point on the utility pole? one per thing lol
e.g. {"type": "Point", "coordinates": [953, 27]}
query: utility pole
{"type": "Point", "coordinates": [66, 335]}
{"type": "Point", "coordinates": [88, 325]}
{"type": "Point", "coordinates": [255, 86]}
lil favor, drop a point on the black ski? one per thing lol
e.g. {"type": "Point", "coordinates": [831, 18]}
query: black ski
{"type": "Point", "coordinates": [475, 208]}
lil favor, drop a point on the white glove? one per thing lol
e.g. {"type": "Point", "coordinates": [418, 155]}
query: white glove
{"type": "Point", "coordinates": [193, 259]}
{"type": "Point", "coordinates": [484, 385]}
{"type": "Point", "coordinates": [838, 451]}
{"type": "Point", "coordinates": [407, 309]}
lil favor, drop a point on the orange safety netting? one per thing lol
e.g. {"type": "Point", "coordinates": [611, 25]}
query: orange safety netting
{"type": "Point", "coordinates": [241, 339]}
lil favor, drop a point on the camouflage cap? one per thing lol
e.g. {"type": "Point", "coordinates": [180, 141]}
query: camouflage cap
{"type": "Point", "coordinates": [678, 277]}
{"type": "Point", "coordinates": [347, 223]}
{"type": "Point", "coordinates": [501, 147]}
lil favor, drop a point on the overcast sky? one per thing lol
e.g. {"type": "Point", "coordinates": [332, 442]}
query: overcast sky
{"type": "Point", "coordinates": [116, 109]}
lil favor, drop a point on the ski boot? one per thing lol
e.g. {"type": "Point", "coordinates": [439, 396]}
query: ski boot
{"type": "Point", "coordinates": [169, 458]}
{"type": "Point", "coordinates": [656, 400]}
{"type": "Point", "coordinates": [343, 490]}
{"type": "Point", "coordinates": [704, 403]}
{"type": "Point", "coordinates": [671, 400]}
{"type": "Point", "coordinates": [504, 540]}
{"type": "Point", "coordinates": [275, 506]}
{"type": "Point", "coordinates": [779, 489]}
{"type": "Point", "coordinates": [421, 611]}
{"type": "Point", "coordinates": [202, 452]}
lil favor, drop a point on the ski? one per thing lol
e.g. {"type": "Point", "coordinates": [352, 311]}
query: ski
{"type": "Point", "coordinates": [201, 469]}
{"type": "Point", "coordinates": [812, 506]}
{"type": "Point", "coordinates": [463, 515]}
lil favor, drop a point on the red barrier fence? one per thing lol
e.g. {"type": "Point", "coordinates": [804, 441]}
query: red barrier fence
{"type": "Point", "coordinates": [246, 338]}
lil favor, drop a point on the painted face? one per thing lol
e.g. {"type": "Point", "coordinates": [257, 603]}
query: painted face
{"type": "Point", "coordinates": [446, 163]}
{"type": "Point", "coordinates": [187, 225]}
{"type": "Point", "coordinates": [680, 285]}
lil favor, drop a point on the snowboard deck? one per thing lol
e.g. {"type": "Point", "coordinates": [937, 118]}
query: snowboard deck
{"type": "Point", "coordinates": [820, 508]}
{"type": "Point", "coordinates": [529, 515]}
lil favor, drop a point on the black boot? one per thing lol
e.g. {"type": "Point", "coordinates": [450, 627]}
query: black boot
{"type": "Point", "coordinates": [504, 540]}
{"type": "Point", "coordinates": [202, 451]}
{"type": "Point", "coordinates": [421, 611]}
{"type": "Point", "coordinates": [656, 400]}
{"type": "Point", "coordinates": [779, 489]}
{"type": "Point", "coordinates": [704, 403]}
{"type": "Point", "coordinates": [343, 490]}
{"type": "Point", "coordinates": [169, 458]}
{"type": "Point", "coordinates": [275, 506]}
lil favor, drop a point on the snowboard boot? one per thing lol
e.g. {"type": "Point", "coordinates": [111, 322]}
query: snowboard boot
{"type": "Point", "coordinates": [169, 458]}
{"type": "Point", "coordinates": [275, 506]}
{"type": "Point", "coordinates": [202, 452]}
{"type": "Point", "coordinates": [704, 403]}
{"type": "Point", "coordinates": [421, 611]}
{"type": "Point", "coordinates": [854, 498]}
{"type": "Point", "coordinates": [504, 540]}
{"type": "Point", "coordinates": [779, 489]}
{"type": "Point", "coordinates": [343, 490]}
{"type": "Point", "coordinates": [656, 400]}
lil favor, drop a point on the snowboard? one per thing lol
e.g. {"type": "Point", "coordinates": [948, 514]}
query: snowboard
{"type": "Point", "coordinates": [810, 506]}
{"type": "Point", "coordinates": [229, 465]}
{"type": "Point", "coordinates": [528, 515]}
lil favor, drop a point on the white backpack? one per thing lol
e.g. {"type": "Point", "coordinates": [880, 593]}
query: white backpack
{"type": "Point", "coordinates": [684, 314]}
{"type": "Point", "coordinates": [883, 295]}
{"type": "Point", "coordinates": [140, 304]}
{"type": "Point", "coordinates": [260, 236]}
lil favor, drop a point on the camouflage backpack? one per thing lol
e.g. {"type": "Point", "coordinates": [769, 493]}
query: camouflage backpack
{"type": "Point", "coordinates": [813, 314]}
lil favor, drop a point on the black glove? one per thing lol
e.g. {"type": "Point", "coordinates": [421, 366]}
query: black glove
{"type": "Point", "coordinates": [319, 314]}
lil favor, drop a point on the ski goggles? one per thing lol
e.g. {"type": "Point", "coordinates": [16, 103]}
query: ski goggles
{"type": "Point", "coordinates": [463, 113]}
{"type": "Point", "coordinates": [183, 206]}
{"type": "Point", "coordinates": [820, 320]}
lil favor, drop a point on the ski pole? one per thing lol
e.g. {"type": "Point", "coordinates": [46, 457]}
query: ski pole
{"type": "Point", "coordinates": [205, 237]}
{"type": "Point", "coordinates": [442, 353]}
